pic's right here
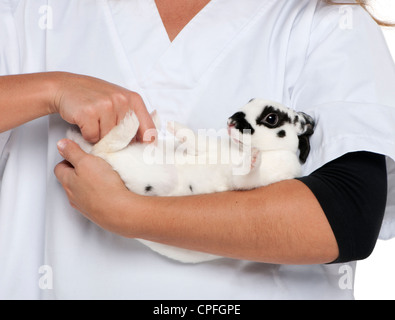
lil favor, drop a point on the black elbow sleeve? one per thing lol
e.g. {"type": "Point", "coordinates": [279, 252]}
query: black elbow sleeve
{"type": "Point", "coordinates": [352, 191]}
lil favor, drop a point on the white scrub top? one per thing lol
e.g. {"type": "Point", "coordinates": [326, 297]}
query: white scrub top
{"type": "Point", "coordinates": [329, 62]}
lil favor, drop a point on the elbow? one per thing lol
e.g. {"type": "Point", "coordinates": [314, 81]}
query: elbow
{"type": "Point", "coordinates": [331, 253]}
{"type": "Point", "coordinates": [328, 250]}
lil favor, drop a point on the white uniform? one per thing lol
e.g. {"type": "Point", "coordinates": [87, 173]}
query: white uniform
{"type": "Point", "coordinates": [329, 62]}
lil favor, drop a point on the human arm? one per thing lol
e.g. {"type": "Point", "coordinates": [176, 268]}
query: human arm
{"type": "Point", "coordinates": [93, 104]}
{"type": "Point", "coordinates": [281, 223]}
{"type": "Point", "coordinates": [24, 98]}
{"type": "Point", "coordinates": [332, 215]}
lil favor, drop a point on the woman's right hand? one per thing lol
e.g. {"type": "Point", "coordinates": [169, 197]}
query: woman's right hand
{"type": "Point", "coordinates": [96, 106]}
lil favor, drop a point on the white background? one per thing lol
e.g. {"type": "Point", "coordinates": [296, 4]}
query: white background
{"type": "Point", "coordinates": [375, 276]}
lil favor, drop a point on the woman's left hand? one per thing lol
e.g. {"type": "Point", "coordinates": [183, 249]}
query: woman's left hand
{"type": "Point", "coordinates": [92, 186]}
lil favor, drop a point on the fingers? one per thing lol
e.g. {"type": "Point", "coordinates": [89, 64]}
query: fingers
{"type": "Point", "coordinates": [63, 172]}
{"type": "Point", "coordinates": [71, 151]}
{"type": "Point", "coordinates": [147, 131]}
{"type": "Point", "coordinates": [96, 128]}
{"type": "Point", "coordinates": [106, 123]}
{"type": "Point", "coordinates": [90, 130]}
{"type": "Point", "coordinates": [111, 115]}
{"type": "Point", "coordinates": [96, 106]}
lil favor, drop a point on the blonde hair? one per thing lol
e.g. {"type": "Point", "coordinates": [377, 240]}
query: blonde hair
{"type": "Point", "coordinates": [364, 4]}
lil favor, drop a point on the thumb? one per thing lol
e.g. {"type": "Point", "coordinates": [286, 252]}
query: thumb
{"type": "Point", "coordinates": [70, 151]}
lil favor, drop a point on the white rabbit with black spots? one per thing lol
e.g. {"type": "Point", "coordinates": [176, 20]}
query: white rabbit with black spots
{"type": "Point", "coordinates": [266, 143]}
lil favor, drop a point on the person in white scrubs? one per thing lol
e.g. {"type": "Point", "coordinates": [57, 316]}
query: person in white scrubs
{"type": "Point", "coordinates": [88, 62]}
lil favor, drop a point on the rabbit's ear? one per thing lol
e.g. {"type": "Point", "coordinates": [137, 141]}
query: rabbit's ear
{"type": "Point", "coordinates": [306, 131]}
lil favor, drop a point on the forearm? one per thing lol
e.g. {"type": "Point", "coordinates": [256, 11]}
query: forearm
{"type": "Point", "coordinates": [24, 98]}
{"type": "Point", "coordinates": [281, 223]}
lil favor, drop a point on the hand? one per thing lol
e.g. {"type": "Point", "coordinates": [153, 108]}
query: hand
{"type": "Point", "coordinates": [92, 186]}
{"type": "Point", "coordinates": [96, 106]}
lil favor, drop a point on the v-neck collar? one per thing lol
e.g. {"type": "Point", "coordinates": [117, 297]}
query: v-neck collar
{"type": "Point", "coordinates": [189, 22]}
{"type": "Point", "coordinates": [140, 31]}
{"type": "Point", "coordinates": [160, 63]}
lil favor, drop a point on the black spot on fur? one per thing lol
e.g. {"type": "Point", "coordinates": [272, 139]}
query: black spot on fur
{"type": "Point", "coordinates": [281, 134]}
{"type": "Point", "coordinates": [148, 188]}
{"type": "Point", "coordinates": [240, 123]}
{"type": "Point", "coordinates": [283, 117]}
{"type": "Point", "coordinates": [190, 188]}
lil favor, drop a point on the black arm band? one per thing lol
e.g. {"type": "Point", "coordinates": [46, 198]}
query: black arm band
{"type": "Point", "coordinates": [352, 191]}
